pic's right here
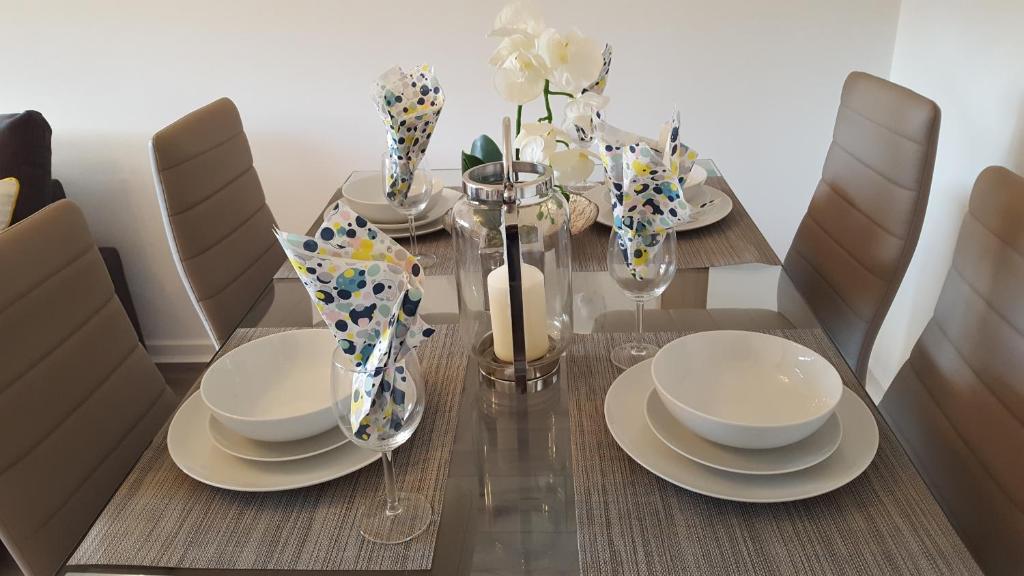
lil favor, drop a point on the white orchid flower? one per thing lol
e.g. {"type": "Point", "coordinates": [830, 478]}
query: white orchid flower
{"type": "Point", "coordinates": [537, 141]}
{"type": "Point", "coordinates": [575, 61]}
{"type": "Point", "coordinates": [572, 165]}
{"type": "Point", "coordinates": [580, 113]}
{"type": "Point", "coordinates": [517, 18]}
{"type": "Point", "coordinates": [521, 72]}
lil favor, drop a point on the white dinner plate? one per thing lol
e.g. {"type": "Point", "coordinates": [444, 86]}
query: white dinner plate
{"type": "Point", "coordinates": [431, 221]}
{"type": "Point", "coordinates": [191, 448]}
{"type": "Point", "coordinates": [402, 231]}
{"type": "Point", "coordinates": [624, 415]}
{"type": "Point", "coordinates": [803, 454]}
{"type": "Point", "coordinates": [238, 445]}
{"type": "Point", "coordinates": [710, 206]}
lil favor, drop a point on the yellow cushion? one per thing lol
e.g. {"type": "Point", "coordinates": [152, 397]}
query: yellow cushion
{"type": "Point", "coordinates": [8, 196]}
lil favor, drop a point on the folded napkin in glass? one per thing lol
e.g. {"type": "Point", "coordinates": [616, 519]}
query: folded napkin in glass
{"type": "Point", "coordinates": [367, 289]}
{"type": "Point", "coordinates": [409, 103]}
{"type": "Point", "coordinates": [647, 179]}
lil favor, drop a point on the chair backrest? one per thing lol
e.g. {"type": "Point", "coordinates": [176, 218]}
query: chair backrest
{"type": "Point", "coordinates": [856, 240]}
{"type": "Point", "coordinates": [218, 223]}
{"type": "Point", "coordinates": [79, 398]}
{"type": "Point", "coordinates": [957, 404]}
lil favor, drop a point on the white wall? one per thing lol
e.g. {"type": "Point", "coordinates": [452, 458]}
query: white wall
{"type": "Point", "coordinates": [758, 83]}
{"type": "Point", "coordinates": [967, 56]}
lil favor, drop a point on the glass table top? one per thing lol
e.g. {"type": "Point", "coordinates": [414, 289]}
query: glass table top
{"type": "Point", "coordinates": [509, 504]}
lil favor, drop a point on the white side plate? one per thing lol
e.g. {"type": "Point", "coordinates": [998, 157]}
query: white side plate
{"type": "Point", "coordinates": [195, 453]}
{"type": "Point", "coordinates": [803, 454]}
{"type": "Point", "coordinates": [238, 445]}
{"type": "Point", "coordinates": [710, 206]}
{"type": "Point", "coordinates": [624, 415]}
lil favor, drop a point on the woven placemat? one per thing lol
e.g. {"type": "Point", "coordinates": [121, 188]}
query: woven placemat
{"type": "Point", "coordinates": [735, 239]}
{"type": "Point", "coordinates": [632, 522]}
{"type": "Point", "coordinates": [162, 518]}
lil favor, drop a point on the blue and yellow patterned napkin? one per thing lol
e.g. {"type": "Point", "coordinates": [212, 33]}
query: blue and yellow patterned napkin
{"type": "Point", "coordinates": [409, 103]}
{"type": "Point", "coordinates": [647, 179]}
{"type": "Point", "coordinates": [367, 288]}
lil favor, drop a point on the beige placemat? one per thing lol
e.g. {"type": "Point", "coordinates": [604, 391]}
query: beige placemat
{"type": "Point", "coordinates": [162, 518]}
{"type": "Point", "coordinates": [632, 522]}
{"type": "Point", "coordinates": [735, 239]}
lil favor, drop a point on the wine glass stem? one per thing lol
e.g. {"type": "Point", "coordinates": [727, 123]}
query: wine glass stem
{"type": "Point", "coordinates": [640, 318]}
{"type": "Point", "coordinates": [412, 233]}
{"type": "Point", "coordinates": [390, 488]}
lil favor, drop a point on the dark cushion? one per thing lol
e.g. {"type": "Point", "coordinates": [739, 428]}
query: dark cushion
{"type": "Point", "coordinates": [25, 154]}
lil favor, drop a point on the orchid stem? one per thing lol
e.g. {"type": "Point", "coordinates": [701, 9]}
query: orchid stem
{"type": "Point", "coordinates": [519, 125]}
{"type": "Point", "coordinates": [547, 103]}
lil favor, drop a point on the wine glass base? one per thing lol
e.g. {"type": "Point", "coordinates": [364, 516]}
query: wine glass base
{"type": "Point", "coordinates": [427, 260]}
{"type": "Point", "coordinates": [632, 353]}
{"type": "Point", "coordinates": [377, 525]}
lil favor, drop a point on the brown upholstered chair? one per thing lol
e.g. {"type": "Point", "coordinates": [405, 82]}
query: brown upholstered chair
{"type": "Point", "coordinates": [79, 398]}
{"type": "Point", "coordinates": [859, 233]}
{"type": "Point", "coordinates": [957, 404]}
{"type": "Point", "coordinates": [218, 223]}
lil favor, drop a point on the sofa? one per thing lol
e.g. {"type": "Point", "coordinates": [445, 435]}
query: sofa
{"type": "Point", "coordinates": [25, 154]}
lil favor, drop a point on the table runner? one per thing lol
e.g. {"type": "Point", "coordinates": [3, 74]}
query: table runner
{"type": "Point", "coordinates": [734, 240]}
{"type": "Point", "coordinates": [632, 522]}
{"type": "Point", "coordinates": [160, 517]}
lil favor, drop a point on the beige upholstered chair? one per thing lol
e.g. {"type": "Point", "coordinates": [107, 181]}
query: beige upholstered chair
{"type": "Point", "coordinates": [79, 398]}
{"type": "Point", "coordinates": [859, 233]}
{"type": "Point", "coordinates": [218, 223]}
{"type": "Point", "coordinates": [958, 402]}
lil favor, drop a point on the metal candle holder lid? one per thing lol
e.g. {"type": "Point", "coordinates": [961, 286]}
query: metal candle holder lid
{"type": "Point", "coordinates": [490, 182]}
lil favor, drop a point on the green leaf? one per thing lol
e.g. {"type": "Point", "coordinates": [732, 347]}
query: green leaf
{"type": "Point", "coordinates": [485, 149]}
{"type": "Point", "coordinates": [469, 161]}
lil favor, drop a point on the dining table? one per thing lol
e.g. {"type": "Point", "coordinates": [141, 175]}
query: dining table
{"type": "Point", "coordinates": [535, 484]}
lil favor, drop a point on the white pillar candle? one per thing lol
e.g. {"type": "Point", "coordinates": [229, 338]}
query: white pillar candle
{"type": "Point", "coordinates": [535, 312]}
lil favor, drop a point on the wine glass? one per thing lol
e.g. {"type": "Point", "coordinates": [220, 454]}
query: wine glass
{"type": "Point", "coordinates": [396, 516]}
{"type": "Point", "coordinates": [413, 204]}
{"type": "Point", "coordinates": [658, 274]}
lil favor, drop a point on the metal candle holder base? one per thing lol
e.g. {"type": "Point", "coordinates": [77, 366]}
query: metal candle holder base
{"type": "Point", "coordinates": [500, 376]}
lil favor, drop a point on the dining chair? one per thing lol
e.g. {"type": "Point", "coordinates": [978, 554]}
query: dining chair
{"type": "Point", "coordinates": [957, 404]}
{"type": "Point", "coordinates": [79, 397]}
{"type": "Point", "coordinates": [218, 224]}
{"type": "Point", "coordinates": [858, 235]}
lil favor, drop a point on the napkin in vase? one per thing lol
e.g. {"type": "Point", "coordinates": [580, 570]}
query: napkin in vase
{"type": "Point", "coordinates": [367, 288]}
{"type": "Point", "coordinates": [647, 179]}
{"type": "Point", "coordinates": [409, 103]}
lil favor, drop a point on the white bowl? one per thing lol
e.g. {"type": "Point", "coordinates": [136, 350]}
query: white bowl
{"type": "Point", "coordinates": [746, 389]}
{"type": "Point", "coordinates": [365, 194]}
{"type": "Point", "coordinates": [275, 389]}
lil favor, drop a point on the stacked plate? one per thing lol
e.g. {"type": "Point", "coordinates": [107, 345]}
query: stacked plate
{"type": "Point", "coordinates": [262, 419]}
{"type": "Point", "coordinates": [365, 193]}
{"type": "Point", "coordinates": [708, 204]}
{"type": "Point", "coordinates": [742, 416]}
